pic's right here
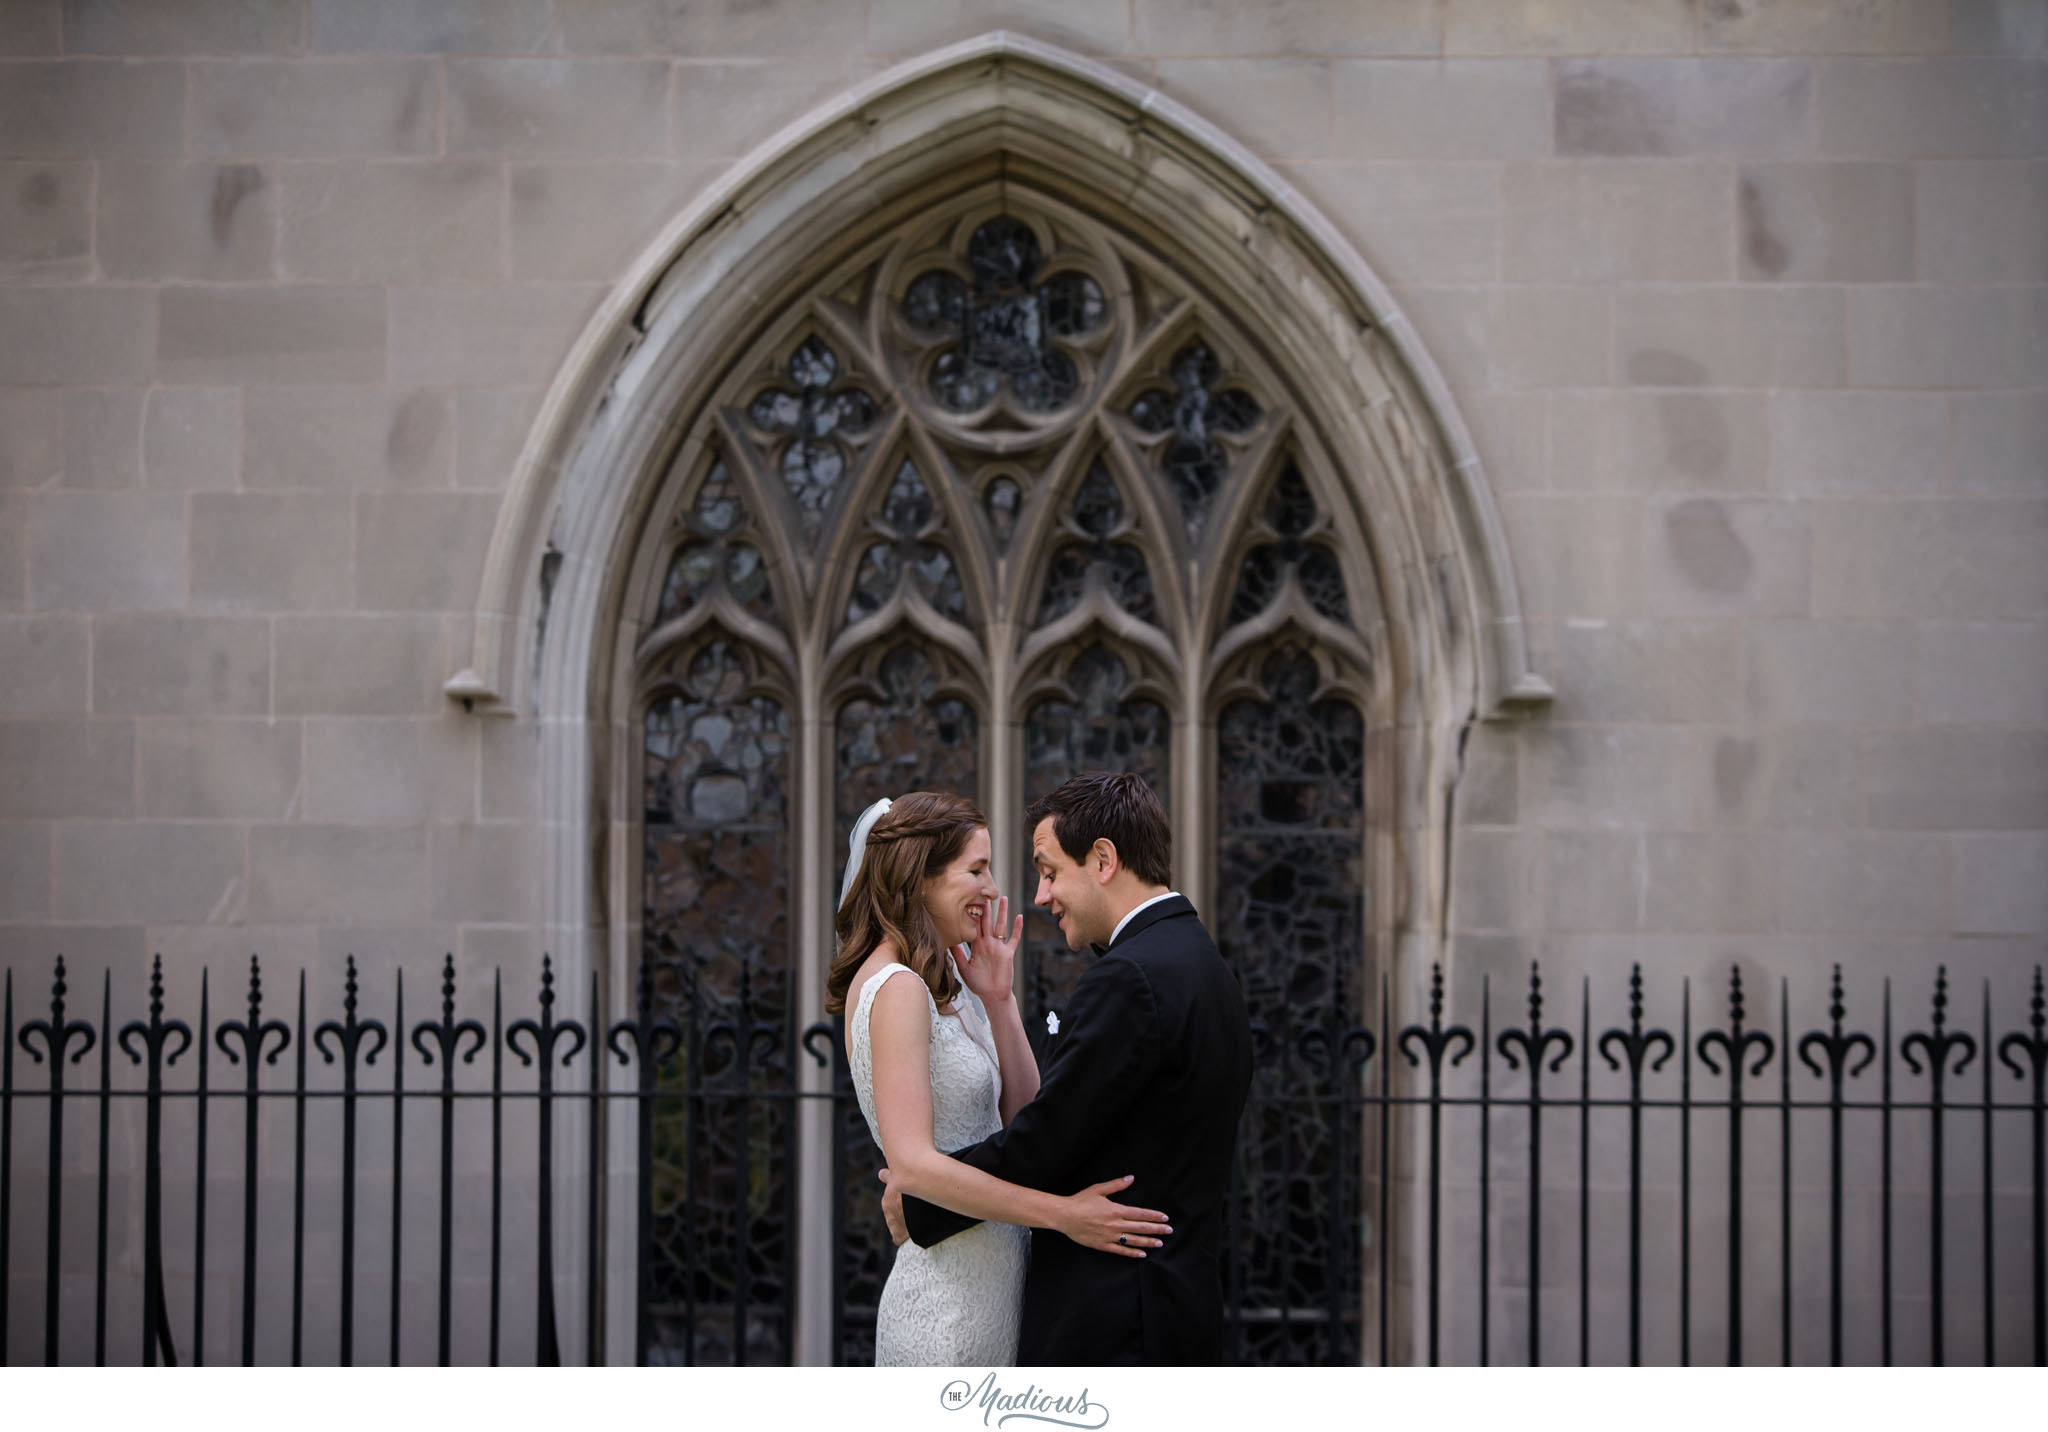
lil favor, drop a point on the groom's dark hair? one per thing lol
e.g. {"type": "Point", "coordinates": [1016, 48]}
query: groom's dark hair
{"type": "Point", "coordinates": [1115, 806]}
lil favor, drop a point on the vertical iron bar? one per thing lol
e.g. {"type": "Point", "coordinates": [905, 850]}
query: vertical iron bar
{"type": "Point", "coordinates": [1785, 1173]}
{"type": "Point", "coordinates": [696, 1110]}
{"type": "Point", "coordinates": [6, 1152]}
{"type": "Point", "coordinates": [1386, 1163]}
{"type": "Point", "coordinates": [1485, 1167]}
{"type": "Point", "coordinates": [497, 1142]}
{"type": "Point", "coordinates": [1990, 1301]}
{"type": "Point", "coordinates": [53, 1209]}
{"type": "Point", "coordinates": [1585, 1163]}
{"type": "Point", "coordinates": [299, 1188]}
{"type": "Point", "coordinates": [152, 1187]}
{"type": "Point", "coordinates": [397, 1154]}
{"type": "Point", "coordinates": [546, 1349]}
{"type": "Point", "coordinates": [1436, 1117]}
{"type": "Point", "coordinates": [348, 1210]}
{"type": "Point", "coordinates": [199, 1189]}
{"type": "Point", "coordinates": [1685, 1173]}
{"type": "Point", "coordinates": [593, 1232]}
{"type": "Point", "coordinates": [743, 1026]}
{"type": "Point", "coordinates": [1735, 1058]}
{"type": "Point", "coordinates": [1938, 1066]}
{"type": "Point", "coordinates": [1885, 1182]}
{"type": "Point", "coordinates": [99, 1333]}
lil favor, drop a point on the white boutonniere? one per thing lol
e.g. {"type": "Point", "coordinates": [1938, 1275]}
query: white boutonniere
{"type": "Point", "coordinates": [1052, 1021]}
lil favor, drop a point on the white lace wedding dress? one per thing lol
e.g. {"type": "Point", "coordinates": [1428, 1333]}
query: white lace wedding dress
{"type": "Point", "coordinates": [959, 1303]}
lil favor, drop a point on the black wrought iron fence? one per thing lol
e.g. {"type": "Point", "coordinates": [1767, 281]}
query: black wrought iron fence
{"type": "Point", "coordinates": [1396, 1195]}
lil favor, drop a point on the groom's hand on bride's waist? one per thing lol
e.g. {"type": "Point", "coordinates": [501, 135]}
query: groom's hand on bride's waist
{"type": "Point", "coordinates": [892, 1211]}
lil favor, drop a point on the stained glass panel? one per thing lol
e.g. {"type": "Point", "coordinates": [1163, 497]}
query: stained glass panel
{"type": "Point", "coordinates": [908, 514]}
{"type": "Point", "coordinates": [813, 418]}
{"type": "Point", "coordinates": [1119, 566]}
{"type": "Point", "coordinates": [1191, 460]}
{"type": "Point", "coordinates": [1290, 510]}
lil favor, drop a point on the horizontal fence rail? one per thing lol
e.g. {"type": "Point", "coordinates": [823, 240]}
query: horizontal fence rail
{"type": "Point", "coordinates": [1426, 1150]}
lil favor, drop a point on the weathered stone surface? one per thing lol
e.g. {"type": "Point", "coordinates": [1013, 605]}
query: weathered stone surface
{"type": "Point", "coordinates": [171, 870]}
{"type": "Point", "coordinates": [421, 551]}
{"type": "Point", "coordinates": [1862, 882]}
{"type": "Point", "coordinates": [1611, 222]}
{"type": "Point", "coordinates": [1418, 223]}
{"type": "Point", "coordinates": [1964, 559]}
{"type": "Point", "coordinates": [269, 552]}
{"type": "Point", "coordinates": [347, 438]}
{"type": "Point", "coordinates": [1784, 777]}
{"type": "Point", "coordinates": [1998, 884]}
{"type": "Point", "coordinates": [491, 426]}
{"type": "Point", "coordinates": [391, 771]}
{"type": "Point", "coordinates": [1592, 880]}
{"type": "Point", "coordinates": [2000, 442]}
{"type": "Point", "coordinates": [1982, 222]}
{"type": "Point", "coordinates": [1466, 109]}
{"type": "Point", "coordinates": [1851, 222]}
{"type": "Point", "coordinates": [191, 438]}
{"type": "Point", "coordinates": [67, 769]}
{"type": "Point", "coordinates": [1859, 442]}
{"type": "Point", "coordinates": [485, 336]}
{"type": "Point", "coordinates": [1701, 337]}
{"type": "Point", "coordinates": [1584, 555]}
{"type": "Point", "coordinates": [1566, 27]}
{"type": "Point", "coordinates": [481, 873]}
{"type": "Point", "coordinates": [437, 26]}
{"type": "Point", "coordinates": [307, 109]}
{"type": "Point", "coordinates": [31, 437]}
{"type": "Point", "coordinates": [1718, 107]}
{"type": "Point", "coordinates": [305, 334]}
{"type": "Point", "coordinates": [543, 108]}
{"type": "Point", "coordinates": [13, 551]}
{"type": "Point", "coordinates": [1285, 27]}
{"type": "Point", "coordinates": [31, 27]}
{"type": "Point", "coordinates": [910, 27]}
{"type": "Point", "coordinates": [76, 334]}
{"type": "Point", "coordinates": [1865, 27]}
{"type": "Point", "coordinates": [1693, 442]}
{"type": "Point", "coordinates": [329, 872]}
{"type": "Point", "coordinates": [359, 665]}
{"type": "Point", "coordinates": [91, 108]}
{"type": "Point", "coordinates": [1982, 673]}
{"type": "Point", "coordinates": [1931, 108]}
{"type": "Point", "coordinates": [587, 221]}
{"type": "Point", "coordinates": [24, 871]}
{"type": "Point", "coordinates": [181, 27]}
{"type": "Point", "coordinates": [218, 769]}
{"type": "Point", "coordinates": [1522, 337]}
{"type": "Point", "coordinates": [1648, 671]}
{"type": "Point", "coordinates": [45, 661]}
{"type": "Point", "coordinates": [1606, 777]}
{"type": "Point", "coordinates": [687, 28]}
{"type": "Point", "coordinates": [1279, 108]}
{"type": "Point", "coordinates": [1939, 778]}
{"type": "Point", "coordinates": [107, 552]}
{"type": "Point", "coordinates": [1998, 27]}
{"type": "Point", "coordinates": [722, 109]}
{"type": "Point", "coordinates": [1915, 336]}
{"type": "Point", "coordinates": [1710, 556]}
{"type": "Point", "coordinates": [1700, 881]}
{"type": "Point", "coordinates": [1850, 674]}
{"type": "Point", "coordinates": [1496, 880]}
{"type": "Point", "coordinates": [392, 221]}
{"type": "Point", "coordinates": [103, 438]}
{"type": "Point", "coordinates": [180, 666]}
{"type": "Point", "coordinates": [45, 220]}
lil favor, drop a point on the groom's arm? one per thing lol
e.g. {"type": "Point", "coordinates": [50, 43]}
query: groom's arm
{"type": "Point", "coordinates": [1111, 1048]}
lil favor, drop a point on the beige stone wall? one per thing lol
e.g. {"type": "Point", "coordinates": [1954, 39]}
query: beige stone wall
{"type": "Point", "coordinates": [1746, 305]}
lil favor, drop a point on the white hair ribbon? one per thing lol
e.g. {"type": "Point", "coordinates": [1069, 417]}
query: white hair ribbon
{"type": "Point", "coordinates": [857, 844]}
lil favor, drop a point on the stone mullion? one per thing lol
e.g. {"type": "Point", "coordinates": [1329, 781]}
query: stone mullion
{"type": "Point", "coordinates": [812, 920]}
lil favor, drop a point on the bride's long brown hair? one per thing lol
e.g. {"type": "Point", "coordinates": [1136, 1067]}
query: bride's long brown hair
{"type": "Point", "coordinates": [917, 838]}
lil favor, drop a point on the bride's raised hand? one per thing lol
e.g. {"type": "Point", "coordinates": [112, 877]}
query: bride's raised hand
{"type": "Point", "coordinates": [986, 964]}
{"type": "Point", "coordinates": [1093, 1220]}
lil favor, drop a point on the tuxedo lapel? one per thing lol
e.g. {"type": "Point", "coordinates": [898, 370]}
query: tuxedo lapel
{"type": "Point", "coordinates": [1148, 917]}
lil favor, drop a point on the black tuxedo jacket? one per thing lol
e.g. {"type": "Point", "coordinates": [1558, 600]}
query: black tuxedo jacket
{"type": "Point", "coordinates": [1147, 1076]}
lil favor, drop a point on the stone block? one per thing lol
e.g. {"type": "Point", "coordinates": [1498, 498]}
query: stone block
{"type": "Point", "coordinates": [1694, 442]}
{"type": "Point", "coordinates": [1577, 556]}
{"type": "Point", "coordinates": [1495, 880]}
{"type": "Point", "coordinates": [1975, 559]}
{"type": "Point", "coordinates": [1938, 778]}
{"type": "Point", "coordinates": [421, 551]}
{"type": "Point", "coordinates": [1568, 27]}
{"type": "Point", "coordinates": [313, 108]}
{"type": "Point", "coordinates": [1464, 109]}
{"type": "Point", "coordinates": [1847, 222]}
{"type": "Point", "coordinates": [1982, 221]}
{"type": "Point", "coordinates": [1485, 792]}
{"type": "Point", "coordinates": [1999, 885]}
{"type": "Point", "coordinates": [1787, 777]}
{"type": "Point", "coordinates": [91, 109]}
{"type": "Point", "coordinates": [486, 874]}
{"type": "Point", "coordinates": [181, 27]}
{"type": "Point", "coordinates": [45, 220]}
{"type": "Point", "coordinates": [1512, 432]}
{"type": "Point", "coordinates": [2000, 442]}
{"type": "Point", "coordinates": [558, 108]}
{"type": "Point", "coordinates": [1592, 880]}
{"type": "Point", "coordinates": [76, 333]}
{"type": "Point", "coordinates": [340, 439]}
{"type": "Point", "coordinates": [305, 334]}
{"type": "Point", "coordinates": [217, 769]}
{"type": "Point", "coordinates": [1840, 443]}
{"type": "Point", "coordinates": [1862, 882]}
{"type": "Point", "coordinates": [1840, 673]}
{"type": "Point", "coordinates": [911, 27]}
{"type": "Point", "coordinates": [1998, 27]}
{"type": "Point", "coordinates": [486, 336]}
{"type": "Point", "coordinates": [269, 551]}
{"type": "Point", "coordinates": [1982, 673]}
{"type": "Point", "coordinates": [1925, 337]}
{"type": "Point", "coordinates": [1705, 883]}
{"type": "Point", "coordinates": [585, 221]}
{"type": "Point", "coordinates": [1276, 108]}
{"type": "Point", "coordinates": [181, 666]}
{"type": "Point", "coordinates": [386, 221]}
{"type": "Point", "coordinates": [1710, 556]}
{"type": "Point", "coordinates": [335, 872]}
{"type": "Point", "coordinates": [31, 437]}
{"type": "Point", "coordinates": [1867, 27]}
{"type": "Point", "coordinates": [191, 438]}
{"type": "Point", "coordinates": [107, 552]}
{"type": "Point", "coordinates": [31, 27]}
{"type": "Point", "coordinates": [1608, 777]}
{"type": "Point", "coordinates": [359, 666]}
{"type": "Point", "coordinates": [46, 661]}
{"type": "Point", "coordinates": [103, 437]}
{"type": "Point", "coordinates": [1522, 337]}
{"type": "Point", "coordinates": [1610, 222]}
{"type": "Point", "coordinates": [24, 871]}
{"type": "Point", "coordinates": [155, 870]}
{"type": "Point", "coordinates": [1648, 671]}
{"type": "Point", "coordinates": [1703, 337]}
{"type": "Point", "coordinates": [509, 27]}
{"type": "Point", "coordinates": [186, 221]}
{"type": "Point", "coordinates": [1931, 108]}
{"type": "Point", "coordinates": [688, 28]}
{"type": "Point", "coordinates": [1736, 108]}
{"type": "Point", "coordinates": [388, 771]}
{"type": "Point", "coordinates": [1286, 27]}
{"type": "Point", "coordinates": [722, 109]}
{"type": "Point", "coordinates": [1417, 223]}
{"type": "Point", "coordinates": [13, 551]}
{"type": "Point", "coordinates": [67, 770]}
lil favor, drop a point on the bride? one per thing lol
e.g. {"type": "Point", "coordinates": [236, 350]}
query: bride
{"type": "Point", "coordinates": [940, 1061]}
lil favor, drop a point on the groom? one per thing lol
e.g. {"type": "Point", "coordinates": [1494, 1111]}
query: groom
{"type": "Point", "coordinates": [1147, 1075]}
